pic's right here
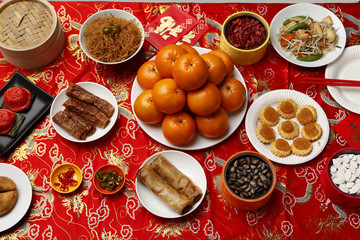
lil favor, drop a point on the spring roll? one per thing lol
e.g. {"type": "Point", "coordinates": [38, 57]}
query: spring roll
{"type": "Point", "coordinates": [175, 178]}
{"type": "Point", "coordinates": [81, 94]}
{"type": "Point", "coordinates": [164, 191]}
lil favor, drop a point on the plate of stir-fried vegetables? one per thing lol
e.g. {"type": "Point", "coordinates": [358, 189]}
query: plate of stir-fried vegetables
{"type": "Point", "coordinates": [308, 35]}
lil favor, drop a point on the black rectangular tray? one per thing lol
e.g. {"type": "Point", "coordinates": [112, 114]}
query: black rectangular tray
{"type": "Point", "coordinates": [39, 107]}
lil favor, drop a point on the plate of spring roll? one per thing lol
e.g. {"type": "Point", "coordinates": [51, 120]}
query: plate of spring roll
{"type": "Point", "coordinates": [171, 184]}
{"type": "Point", "coordinates": [84, 112]}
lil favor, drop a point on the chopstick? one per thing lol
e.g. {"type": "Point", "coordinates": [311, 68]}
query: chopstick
{"type": "Point", "coordinates": [331, 82]}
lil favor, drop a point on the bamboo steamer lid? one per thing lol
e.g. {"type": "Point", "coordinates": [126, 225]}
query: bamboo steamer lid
{"type": "Point", "coordinates": [29, 31]}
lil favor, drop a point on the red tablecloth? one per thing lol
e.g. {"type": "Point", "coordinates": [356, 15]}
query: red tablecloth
{"type": "Point", "coordinates": [298, 209]}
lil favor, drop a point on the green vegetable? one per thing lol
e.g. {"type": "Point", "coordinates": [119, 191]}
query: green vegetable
{"type": "Point", "coordinates": [296, 27]}
{"type": "Point", "coordinates": [109, 179]}
{"type": "Point", "coordinates": [17, 124]}
{"type": "Point", "coordinates": [287, 21]}
{"type": "Point", "coordinates": [309, 58]}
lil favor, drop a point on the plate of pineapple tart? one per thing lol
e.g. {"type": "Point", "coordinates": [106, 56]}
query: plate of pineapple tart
{"type": "Point", "coordinates": [287, 126]}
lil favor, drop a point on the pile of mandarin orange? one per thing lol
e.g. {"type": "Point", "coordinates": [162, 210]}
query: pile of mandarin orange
{"type": "Point", "coordinates": [188, 92]}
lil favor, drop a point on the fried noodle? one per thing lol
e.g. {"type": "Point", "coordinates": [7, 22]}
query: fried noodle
{"type": "Point", "coordinates": [106, 48]}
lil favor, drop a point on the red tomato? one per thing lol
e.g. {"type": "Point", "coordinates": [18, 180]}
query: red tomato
{"type": "Point", "coordinates": [7, 119]}
{"type": "Point", "coordinates": [17, 99]}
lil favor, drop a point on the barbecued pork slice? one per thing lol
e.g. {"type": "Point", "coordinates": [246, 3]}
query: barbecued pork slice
{"type": "Point", "coordinates": [90, 127]}
{"type": "Point", "coordinates": [81, 94]}
{"type": "Point", "coordinates": [88, 112]}
{"type": "Point", "coordinates": [75, 129]}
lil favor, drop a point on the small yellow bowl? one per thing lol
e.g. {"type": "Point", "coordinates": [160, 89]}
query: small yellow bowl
{"type": "Point", "coordinates": [107, 167]}
{"type": "Point", "coordinates": [63, 168]}
{"type": "Point", "coordinates": [241, 56]}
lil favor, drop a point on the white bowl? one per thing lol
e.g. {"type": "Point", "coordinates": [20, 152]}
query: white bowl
{"type": "Point", "coordinates": [105, 13]}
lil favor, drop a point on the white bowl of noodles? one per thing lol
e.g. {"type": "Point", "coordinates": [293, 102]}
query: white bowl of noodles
{"type": "Point", "coordinates": [111, 36]}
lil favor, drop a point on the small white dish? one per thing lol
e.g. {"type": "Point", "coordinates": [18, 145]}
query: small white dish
{"type": "Point", "coordinates": [106, 13]}
{"type": "Point", "coordinates": [188, 166]}
{"type": "Point", "coordinates": [272, 99]}
{"type": "Point", "coordinates": [199, 141]}
{"type": "Point", "coordinates": [346, 67]}
{"type": "Point", "coordinates": [317, 13]}
{"type": "Point", "coordinates": [99, 91]}
{"type": "Point", "coordinates": [23, 202]}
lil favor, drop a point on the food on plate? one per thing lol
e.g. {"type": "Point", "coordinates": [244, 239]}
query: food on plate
{"type": "Point", "coordinates": [7, 120]}
{"type": "Point", "coordinates": [197, 86]}
{"type": "Point", "coordinates": [148, 75]}
{"type": "Point", "coordinates": [189, 49]}
{"type": "Point", "coordinates": [216, 67]}
{"type": "Point", "coordinates": [178, 128]}
{"type": "Point", "coordinates": [280, 148]}
{"type": "Point", "coordinates": [288, 129]}
{"type": "Point", "coordinates": [214, 124]}
{"type": "Point", "coordinates": [190, 71]}
{"type": "Point", "coordinates": [233, 94]}
{"type": "Point", "coordinates": [245, 33]}
{"type": "Point", "coordinates": [168, 97]}
{"type": "Point", "coordinates": [76, 91]}
{"type": "Point", "coordinates": [17, 99]}
{"type": "Point", "coordinates": [264, 133]}
{"type": "Point", "coordinates": [176, 179]}
{"type": "Point", "coordinates": [145, 109]}
{"type": "Point", "coordinates": [6, 184]}
{"type": "Point", "coordinates": [301, 146]}
{"type": "Point", "coordinates": [89, 126]}
{"type": "Point", "coordinates": [204, 100]}
{"type": "Point", "coordinates": [10, 122]}
{"type": "Point", "coordinates": [311, 131]}
{"type": "Point", "coordinates": [229, 65]}
{"type": "Point", "coordinates": [166, 58]}
{"type": "Point", "coordinates": [88, 112]}
{"type": "Point", "coordinates": [111, 39]}
{"type": "Point", "coordinates": [8, 195]}
{"type": "Point", "coordinates": [306, 114]}
{"type": "Point", "coordinates": [70, 125]}
{"type": "Point", "coordinates": [269, 116]}
{"type": "Point", "coordinates": [308, 39]}
{"type": "Point", "coordinates": [66, 179]}
{"type": "Point", "coordinates": [287, 108]}
{"type": "Point", "coordinates": [109, 180]}
{"type": "Point", "coordinates": [180, 203]}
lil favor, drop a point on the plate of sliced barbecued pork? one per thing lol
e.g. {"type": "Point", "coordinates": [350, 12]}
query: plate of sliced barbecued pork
{"type": "Point", "coordinates": [84, 112]}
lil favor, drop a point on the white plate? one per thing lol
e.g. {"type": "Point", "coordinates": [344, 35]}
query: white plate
{"type": "Point", "coordinates": [24, 188]}
{"type": "Point", "coordinates": [188, 166]}
{"type": "Point", "coordinates": [346, 67]}
{"type": "Point", "coordinates": [99, 91]}
{"type": "Point", "coordinates": [317, 13]}
{"type": "Point", "coordinates": [199, 141]}
{"type": "Point", "coordinates": [272, 99]}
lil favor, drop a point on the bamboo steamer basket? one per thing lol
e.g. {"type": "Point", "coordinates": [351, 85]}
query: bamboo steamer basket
{"type": "Point", "coordinates": [31, 35]}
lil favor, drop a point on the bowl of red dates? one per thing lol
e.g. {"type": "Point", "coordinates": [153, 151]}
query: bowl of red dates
{"type": "Point", "coordinates": [245, 36]}
{"type": "Point", "coordinates": [248, 180]}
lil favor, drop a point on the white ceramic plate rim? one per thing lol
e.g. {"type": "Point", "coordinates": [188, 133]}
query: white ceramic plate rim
{"type": "Point", "coordinates": [317, 13]}
{"type": "Point", "coordinates": [99, 91]}
{"type": "Point", "coordinates": [187, 165]}
{"type": "Point", "coordinates": [348, 97]}
{"type": "Point", "coordinates": [23, 202]}
{"type": "Point", "coordinates": [105, 13]}
{"type": "Point", "coordinates": [199, 141]}
{"type": "Point", "coordinates": [271, 99]}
